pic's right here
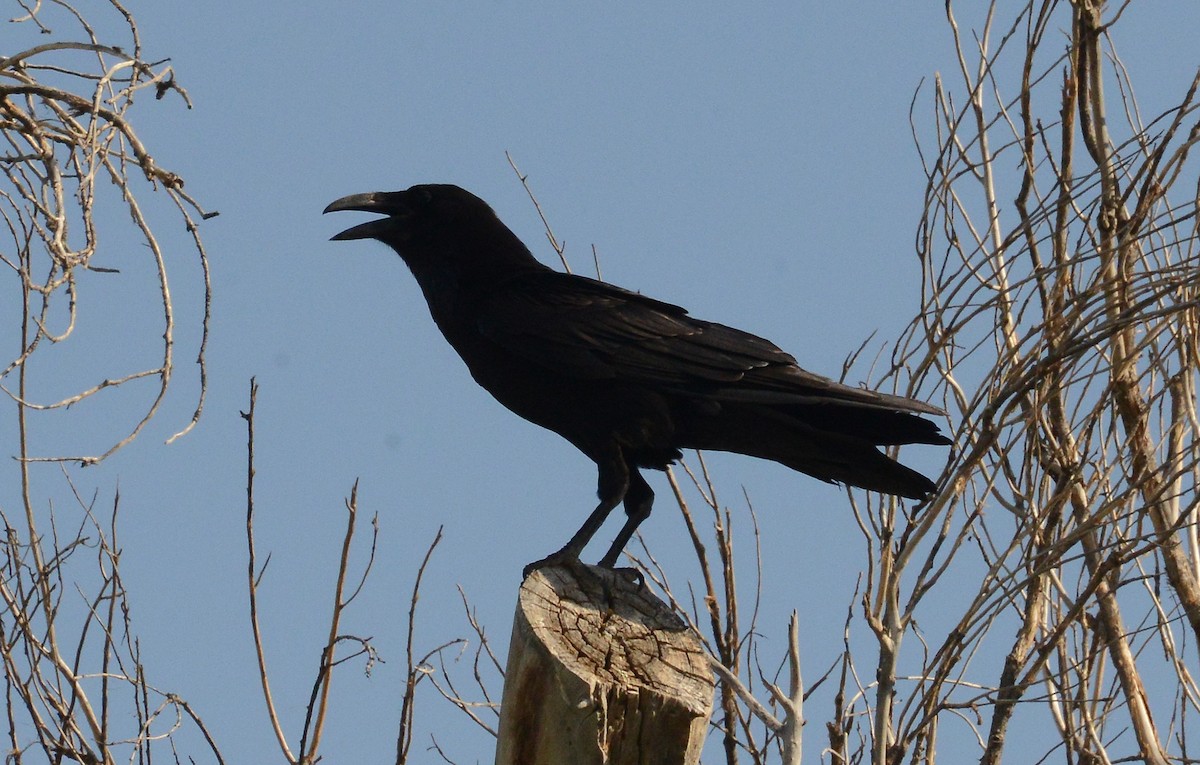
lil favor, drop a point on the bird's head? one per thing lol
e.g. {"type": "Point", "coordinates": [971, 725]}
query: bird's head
{"type": "Point", "coordinates": [441, 231]}
{"type": "Point", "coordinates": [415, 215]}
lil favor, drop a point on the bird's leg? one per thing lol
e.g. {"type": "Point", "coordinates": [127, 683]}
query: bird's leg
{"type": "Point", "coordinates": [639, 499]}
{"type": "Point", "coordinates": [613, 482]}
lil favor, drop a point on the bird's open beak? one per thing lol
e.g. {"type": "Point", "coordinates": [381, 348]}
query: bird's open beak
{"type": "Point", "coordinates": [375, 201]}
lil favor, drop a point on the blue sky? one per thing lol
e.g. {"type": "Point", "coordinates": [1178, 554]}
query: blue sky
{"type": "Point", "coordinates": [752, 164]}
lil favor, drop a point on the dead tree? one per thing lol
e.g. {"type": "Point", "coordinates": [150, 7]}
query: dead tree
{"type": "Point", "coordinates": [75, 687]}
{"type": "Point", "coordinates": [1059, 322]}
{"type": "Point", "coordinates": [600, 671]}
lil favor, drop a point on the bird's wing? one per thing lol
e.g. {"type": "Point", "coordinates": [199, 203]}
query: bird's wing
{"type": "Point", "coordinates": [587, 329]}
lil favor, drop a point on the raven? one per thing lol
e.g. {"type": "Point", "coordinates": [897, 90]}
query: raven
{"type": "Point", "coordinates": [629, 380]}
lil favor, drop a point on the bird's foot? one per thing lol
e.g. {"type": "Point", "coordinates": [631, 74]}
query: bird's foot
{"type": "Point", "coordinates": [632, 574]}
{"type": "Point", "coordinates": [609, 561]}
{"type": "Point", "coordinates": [566, 558]}
{"type": "Point", "coordinates": [598, 578]}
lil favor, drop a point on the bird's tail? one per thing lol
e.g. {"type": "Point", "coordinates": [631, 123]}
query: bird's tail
{"type": "Point", "coordinates": [830, 440]}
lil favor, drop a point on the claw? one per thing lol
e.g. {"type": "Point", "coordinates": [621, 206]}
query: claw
{"type": "Point", "coordinates": [564, 557]}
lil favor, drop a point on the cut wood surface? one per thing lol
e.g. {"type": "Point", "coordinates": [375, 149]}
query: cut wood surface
{"type": "Point", "coordinates": [601, 671]}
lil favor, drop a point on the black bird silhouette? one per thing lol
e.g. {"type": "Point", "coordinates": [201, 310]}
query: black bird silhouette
{"type": "Point", "coordinates": [629, 380]}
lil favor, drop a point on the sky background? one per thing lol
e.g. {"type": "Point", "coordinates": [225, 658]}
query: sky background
{"type": "Point", "coordinates": [755, 165]}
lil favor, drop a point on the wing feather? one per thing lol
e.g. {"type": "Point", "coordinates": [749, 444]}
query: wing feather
{"type": "Point", "coordinates": [586, 329]}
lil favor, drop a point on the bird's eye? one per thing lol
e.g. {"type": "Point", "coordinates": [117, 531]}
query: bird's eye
{"type": "Point", "coordinates": [418, 195]}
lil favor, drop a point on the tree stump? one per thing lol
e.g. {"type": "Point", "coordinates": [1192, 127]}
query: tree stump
{"type": "Point", "coordinates": [601, 672]}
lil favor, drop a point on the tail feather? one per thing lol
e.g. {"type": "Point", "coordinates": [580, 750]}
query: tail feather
{"type": "Point", "coordinates": [835, 442]}
{"type": "Point", "coordinates": [882, 427]}
{"type": "Point", "coordinates": [863, 466]}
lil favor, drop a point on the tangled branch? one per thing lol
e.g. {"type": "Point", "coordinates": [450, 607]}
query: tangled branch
{"type": "Point", "coordinates": [75, 686]}
{"type": "Point", "coordinates": [66, 122]}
